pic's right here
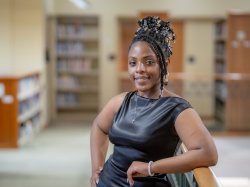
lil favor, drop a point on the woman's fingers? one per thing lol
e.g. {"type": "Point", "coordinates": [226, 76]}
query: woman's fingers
{"type": "Point", "coordinates": [130, 173]}
{"type": "Point", "coordinates": [93, 182]}
{"type": "Point", "coordinates": [95, 178]}
{"type": "Point", "coordinates": [136, 169]}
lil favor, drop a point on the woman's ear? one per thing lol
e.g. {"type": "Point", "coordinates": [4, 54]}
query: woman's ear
{"type": "Point", "coordinates": [167, 61]}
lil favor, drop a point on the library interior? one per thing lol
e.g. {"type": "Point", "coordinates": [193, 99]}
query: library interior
{"type": "Point", "coordinates": [62, 60]}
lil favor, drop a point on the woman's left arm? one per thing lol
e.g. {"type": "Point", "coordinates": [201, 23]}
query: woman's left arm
{"type": "Point", "coordinates": [195, 136]}
{"type": "Point", "coordinates": [201, 149]}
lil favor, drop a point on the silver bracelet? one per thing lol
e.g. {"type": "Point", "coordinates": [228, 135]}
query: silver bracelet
{"type": "Point", "coordinates": [149, 168]}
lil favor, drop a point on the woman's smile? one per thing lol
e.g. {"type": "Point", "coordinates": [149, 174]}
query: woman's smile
{"type": "Point", "coordinates": [141, 78]}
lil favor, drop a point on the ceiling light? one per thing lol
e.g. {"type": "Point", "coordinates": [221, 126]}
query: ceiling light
{"type": "Point", "coordinates": [80, 3]}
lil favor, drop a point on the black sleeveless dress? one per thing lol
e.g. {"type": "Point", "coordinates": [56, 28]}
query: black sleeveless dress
{"type": "Point", "coordinates": [142, 130]}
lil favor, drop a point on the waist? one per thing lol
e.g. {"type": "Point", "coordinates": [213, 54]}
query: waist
{"type": "Point", "coordinates": [123, 157]}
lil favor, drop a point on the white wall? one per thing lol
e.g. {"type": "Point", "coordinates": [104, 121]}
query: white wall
{"type": "Point", "coordinates": [28, 36]}
{"type": "Point", "coordinates": [5, 38]}
{"type": "Point", "coordinates": [22, 39]}
{"type": "Point", "coordinates": [198, 86]}
{"type": "Point", "coordinates": [22, 36]}
{"type": "Point", "coordinates": [108, 45]}
{"type": "Point", "coordinates": [131, 7]}
{"type": "Point", "coordinates": [109, 10]}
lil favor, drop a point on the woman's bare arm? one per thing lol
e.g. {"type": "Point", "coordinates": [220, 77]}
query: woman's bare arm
{"type": "Point", "coordinates": [197, 139]}
{"type": "Point", "coordinates": [99, 135]}
{"type": "Point", "coordinates": [200, 145]}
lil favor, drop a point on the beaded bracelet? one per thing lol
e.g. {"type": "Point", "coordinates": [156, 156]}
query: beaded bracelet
{"type": "Point", "coordinates": [149, 168]}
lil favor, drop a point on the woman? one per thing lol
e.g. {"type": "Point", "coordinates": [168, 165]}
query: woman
{"type": "Point", "coordinates": [146, 126]}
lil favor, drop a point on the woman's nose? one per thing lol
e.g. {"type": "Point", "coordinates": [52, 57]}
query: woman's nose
{"type": "Point", "coordinates": [140, 67]}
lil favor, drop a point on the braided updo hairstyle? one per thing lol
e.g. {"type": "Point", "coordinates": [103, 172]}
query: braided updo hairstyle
{"type": "Point", "coordinates": [160, 36]}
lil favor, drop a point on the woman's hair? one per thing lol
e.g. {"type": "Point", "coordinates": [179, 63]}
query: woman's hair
{"type": "Point", "coordinates": [160, 36]}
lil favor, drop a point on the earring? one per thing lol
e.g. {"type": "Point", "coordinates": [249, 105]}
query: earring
{"type": "Point", "coordinates": [166, 78]}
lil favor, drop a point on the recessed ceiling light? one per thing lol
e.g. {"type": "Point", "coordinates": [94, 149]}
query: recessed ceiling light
{"type": "Point", "coordinates": [80, 3]}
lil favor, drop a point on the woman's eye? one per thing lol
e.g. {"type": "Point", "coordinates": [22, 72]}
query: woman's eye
{"type": "Point", "coordinates": [132, 63]}
{"type": "Point", "coordinates": [149, 62]}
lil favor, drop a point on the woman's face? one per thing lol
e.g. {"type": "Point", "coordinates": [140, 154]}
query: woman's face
{"type": "Point", "coordinates": [143, 68]}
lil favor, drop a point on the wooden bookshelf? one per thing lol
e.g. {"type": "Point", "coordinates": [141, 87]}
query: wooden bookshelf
{"type": "Point", "coordinates": [20, 109]}
{"type": "Point", "coordinates": [75, 59]}
{"type": "Point", "coordinates": [232, 69]}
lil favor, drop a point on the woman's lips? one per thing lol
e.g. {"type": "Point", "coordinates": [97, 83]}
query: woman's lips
{"type": "Point", "coordinates": [141, 78]}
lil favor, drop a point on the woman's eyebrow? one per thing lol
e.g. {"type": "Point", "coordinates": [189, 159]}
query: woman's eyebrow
{"type": "Point", "coordinates": [146, 56]}
{"type": "Point", "coordinates": [132, 57]}
{"type": "Point", "coordinates": [149, 56]}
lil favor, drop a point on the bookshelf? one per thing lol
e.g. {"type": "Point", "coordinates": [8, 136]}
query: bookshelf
{"type": "Point", "coordinates": [232, 69]}
{"type": "Point", "coordinates": [20, 109]}
{"type": "Point", "coordinates": [76, 64]}
{"type": "Point", "coordinates": [220, 69]}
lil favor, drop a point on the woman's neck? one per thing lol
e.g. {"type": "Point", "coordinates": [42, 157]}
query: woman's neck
{"type": "Point", "coordinates": [155, 94]}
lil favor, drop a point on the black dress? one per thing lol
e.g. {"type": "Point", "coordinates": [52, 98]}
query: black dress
{"type": "Point", "coordinates": [142, 130]}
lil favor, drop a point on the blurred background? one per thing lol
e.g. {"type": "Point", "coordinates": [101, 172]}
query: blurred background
{"type": "Point", "coordinates": [62, 60]}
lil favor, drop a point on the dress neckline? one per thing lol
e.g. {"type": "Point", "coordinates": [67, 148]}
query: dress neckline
{"type": "Point", "coordinates": [152, 99]}
{"type": "Point", "coordinates": [146, 98]}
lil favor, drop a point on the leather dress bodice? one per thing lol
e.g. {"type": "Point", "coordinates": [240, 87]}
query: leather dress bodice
{"type": "Point", "coordinates": [143, 129]}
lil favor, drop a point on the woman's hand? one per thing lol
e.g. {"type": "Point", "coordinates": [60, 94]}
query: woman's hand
{"type": "Point", "coordinates": [137, 169]}
{"type": "Point", "coordinates": [95, 177]}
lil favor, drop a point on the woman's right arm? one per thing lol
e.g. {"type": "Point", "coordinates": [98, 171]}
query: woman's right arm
{"type": "Point", "coordinates": [99, 135]}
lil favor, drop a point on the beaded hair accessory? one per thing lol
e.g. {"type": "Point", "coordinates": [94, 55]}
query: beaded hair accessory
{"type": "Point", "coordinates": [157, 30]}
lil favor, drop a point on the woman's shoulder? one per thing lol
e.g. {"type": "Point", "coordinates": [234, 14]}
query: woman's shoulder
{"type": "Point", "coordinates": [168, 93]}
{"type": "Point", "coordinates": [175, 98]}
{"type": "Point", "coordinates": [117, 100]}
{"type": "Point", "coordinates": [120, 97]}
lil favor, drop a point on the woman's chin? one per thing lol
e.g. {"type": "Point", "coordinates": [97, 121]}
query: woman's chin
{"type": "Point", "coordinates": [141, 88]}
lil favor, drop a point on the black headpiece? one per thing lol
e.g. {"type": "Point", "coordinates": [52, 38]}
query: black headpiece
{"type": "Point", "coordinates": [160, 36]}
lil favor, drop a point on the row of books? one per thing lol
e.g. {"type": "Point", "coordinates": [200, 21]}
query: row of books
{"type": "Point", "coordinates": [220, 49]}
{"type": "Point", "coordinates": [220, 90]}
{"type": "Point", "coordinates": [74, 65]}
{"type": "Point", "coordinates": [68, 81]}
{"type": "Point", "coordinates": [70, 48]}
{"type": "Point", "coordinates": [75, 30]}
{"type": "Point", "coordinates": [220, 67]}
{"type": "Point", "coordinates": [221, 30]}
{"type": "Point", "coordinates": [30, 126]}
{"type": "Point", "coordinates": [67, 99]}
{"type": "Point", "coordinates": [28, 83]}
{"type": "Point", "coordinates": [29, 104]}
